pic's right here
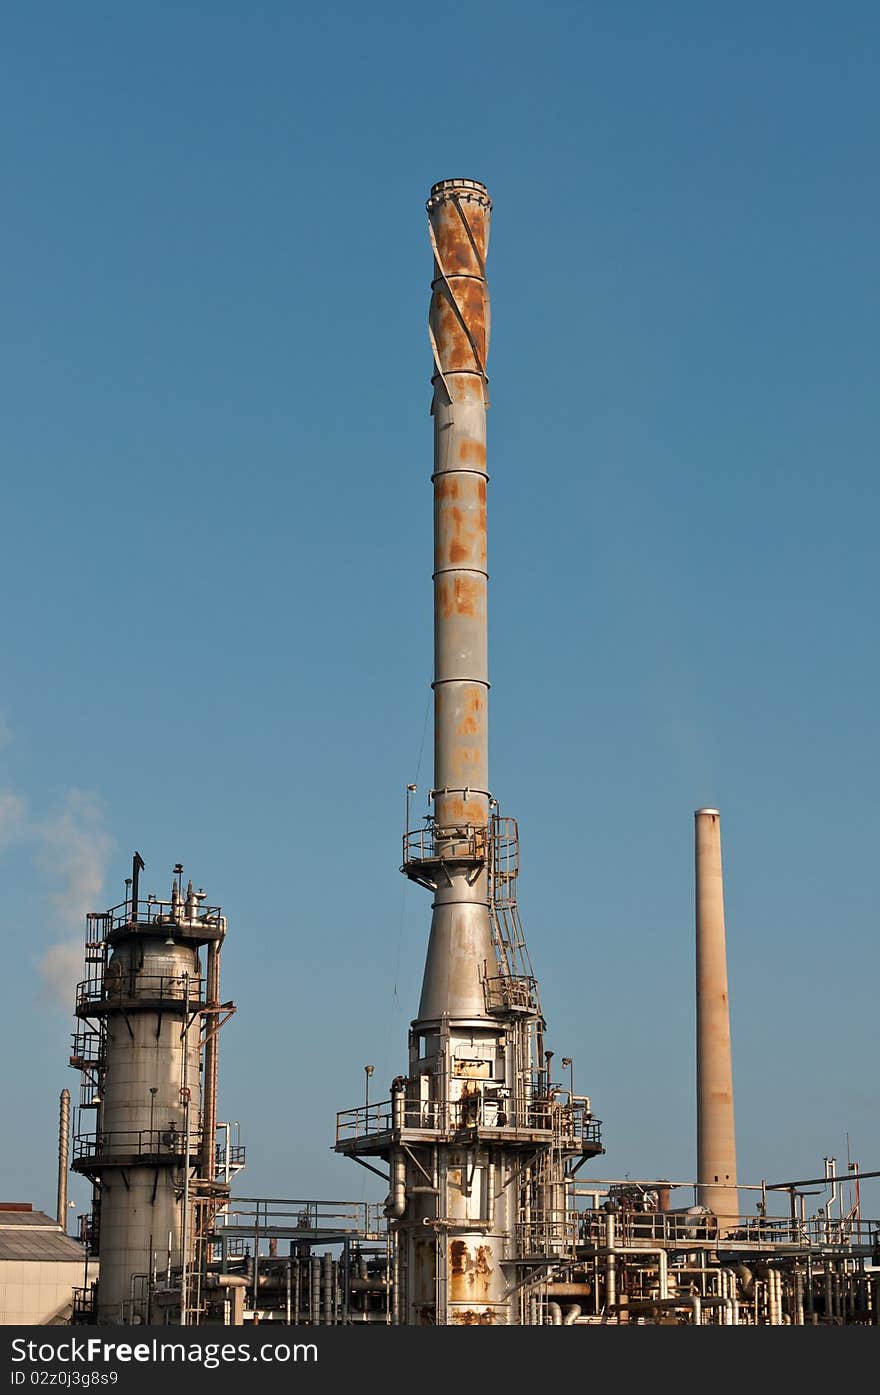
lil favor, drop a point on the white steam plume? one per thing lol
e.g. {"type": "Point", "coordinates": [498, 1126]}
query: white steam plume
{"type": "Point", "coordinates": [73, 848]}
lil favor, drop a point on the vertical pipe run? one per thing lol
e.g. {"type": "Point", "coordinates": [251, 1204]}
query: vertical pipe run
{"type": "Point", "coordinates": [716, 1142]}
{"type": "Point", "coordinates": [63, 1151]}
{"type": "Point", "coordinates": [209, 1113]}
{"type": "Point", "coordinates": [328, 1289]}
{"type": "Point", "coordinates": [610, 1265]}
{"type": "Point", "coordinates": [315, 1290]}
{"type": "Point", "coordinates": [185, 1221]}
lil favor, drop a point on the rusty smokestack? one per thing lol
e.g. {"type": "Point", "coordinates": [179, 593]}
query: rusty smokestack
{"type": "Point", "coordinates": [716, 1140]}
{"type": "Point", "coordinates": [63, 1152]}
{"type": "Point", "coordinates": [476, 1137]}
{"type": "Point", "coordinates": [461, 938]}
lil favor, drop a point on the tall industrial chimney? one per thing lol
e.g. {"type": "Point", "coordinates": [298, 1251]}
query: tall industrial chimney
{"type": "Point", "coordinates": [476, 1136]}
{"type": "Point", "coordinates": [63, 1154]}
{"type": "Point", "coordinates": [148, 1015]}
{"type": "Point", "coordinates": [716, 1141]}
{"type": "Point", "coordinates": [461, 934]}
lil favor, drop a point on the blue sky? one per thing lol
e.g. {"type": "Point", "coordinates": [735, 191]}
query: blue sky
{"type": "Point", "coordinates": [216, 535]}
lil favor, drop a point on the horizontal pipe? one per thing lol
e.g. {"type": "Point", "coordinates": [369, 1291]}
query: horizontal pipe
{"type": "Point", "coordinates": [692, 1301]}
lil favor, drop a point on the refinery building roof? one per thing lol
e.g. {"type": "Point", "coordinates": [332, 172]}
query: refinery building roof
{"type": "Point", "coordinates": [26, 1234]}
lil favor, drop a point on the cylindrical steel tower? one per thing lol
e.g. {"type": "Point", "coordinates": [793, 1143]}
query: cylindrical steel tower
{"type": "Point", "coordinates": [476, 1135]}
{"type": "Point", "coordinates": [150, 1157]}
{"type": "Point", "coordinates": [716, 1141]}
{"type": "Point", "coordinates": [461, 936]}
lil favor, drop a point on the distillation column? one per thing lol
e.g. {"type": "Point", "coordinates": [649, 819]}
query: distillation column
{"type": "Point", "coordinates": [716, 1141]}
{"type": "Point", "coordinates": [145, 1003]}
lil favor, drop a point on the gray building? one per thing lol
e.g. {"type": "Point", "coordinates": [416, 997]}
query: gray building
{"type": "Point", "coordinates": [39, 1267]}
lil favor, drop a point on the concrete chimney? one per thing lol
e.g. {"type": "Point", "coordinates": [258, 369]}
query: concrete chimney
{"type": "Point", "coordinates": [716, 1141]}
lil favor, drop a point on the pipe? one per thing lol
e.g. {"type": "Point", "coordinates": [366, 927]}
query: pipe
{"type": "Point", "coordinates": [571, 1316]}
{"type": "Point", "coordinates": [396, 1204]}
{"type": "Point", "coordinates": [556, 1313]}
{"type": "Point", "coordinates": [830, 1176]}
{"type": "Point", "coordinates": [685, 1300]}
{"type": "Point", "coordinates": [315, 1290]}
{"type": "Point", "coordinates": [730, 1278]}
{"type": "Point", "coordinates": [610, 1264]}
{"type": "Point", "coordinates": [611, 1250]}
{"type": "Point", "coordinates": [63, 1151]}
{"type": "Point", "coordinates": [328, 1289]}
{"type": "Point", "coordinates": [716, 1141]}
{"type": "Point", "coordinates": [490, 1192]}
{"type": "Point", "coordinates": [654, 1252]}
{"type": "Point", "coordinates": [723, 1301]}
{"type": "Point", "coordinates": [395, 1286]}
{"type": "Point", "coordinates": [185, 1220]}
{"type": "Point", "coordinates": [746, 1279]}
{"type": "Point", "coordinates": [212, 994]}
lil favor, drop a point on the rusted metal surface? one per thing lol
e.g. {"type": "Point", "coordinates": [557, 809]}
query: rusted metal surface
{"type": "Point", "coordinates": [461, 933]}
{"type": "Point", "coordinates": [470, 1272]}
{"type": "Point", "coordinates": [483, 1138]}
{"type": "Point", "coordinates": [469, 1317]}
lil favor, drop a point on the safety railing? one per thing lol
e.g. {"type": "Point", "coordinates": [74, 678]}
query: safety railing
{"type": "Point", "coordinates": [681, 1228]}
{"type": "Point", "coordinates": [569, 1125]}
{"type": "Point", "coordinates": [155, 912]}
{"type": "Point", "coordinates": [365, 1122]}
{"type": "Point", "coordinates": [90, 1228]}
{"type": "Point", "coordinates": [235, 1155]}
{"type": "Point", "coordinates": [547, 1232]}
{"type": "Point", "coordinates": [136, 1143]}
{"type": "Point", "coordinates": [431, 843]}
{"type": "Point", "coordinates": [815, 1231]}
{"type": "Point", "coordinates": [261, 1216]}
{"type": "Point", "coordinates": [88, 1049]}
{"type": "Point", "coordinates": [85, 1306]}
{"type": "Point", "coordinates": [511, 993]}
{"type": "Point", "coordinates": [129, 987]}
{"type": "Point", "coordinates": [574, 1125]}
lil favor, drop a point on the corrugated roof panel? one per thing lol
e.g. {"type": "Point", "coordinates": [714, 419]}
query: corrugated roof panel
{"type": "Point", "coordinates": [32, 1245]}
{"type": "Point", "coordinates": [16, 1219]}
